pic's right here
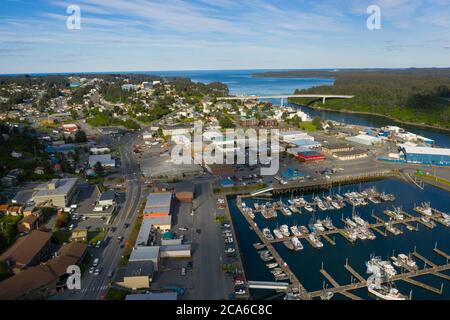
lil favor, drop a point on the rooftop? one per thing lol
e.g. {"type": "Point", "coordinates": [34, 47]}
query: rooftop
{"type": "Point", "coordinates": [26, 248]}
{"type": "Point", "coordinates": [426, 150]}
{"type": "Point", "coordinates": [144, 253]}
{"type": "Point", "coordinates": [159, 200]}
{"type": "Point", "coordinates": [139, 269]}
{"type": "Point", "coordinates": [62, 187]}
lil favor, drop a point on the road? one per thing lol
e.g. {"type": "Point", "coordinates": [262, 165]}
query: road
{"type": "Point", "coordinates": [95, 287]}
{"type": "Point", "coordinates": [210, 280]}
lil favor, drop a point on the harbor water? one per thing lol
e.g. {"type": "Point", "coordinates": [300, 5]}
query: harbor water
{"type": "Point", "coordinates": [306, 264]}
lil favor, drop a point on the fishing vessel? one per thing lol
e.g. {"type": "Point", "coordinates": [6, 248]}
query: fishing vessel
{"type": "Point", "coordinates": [294, 209]}
{"type": "Point", "coordinates": [387, 197]}
{"type": "Point", "coordinates": [297, 244]}
{"type": "Point", "coordinates": [396, 213]}
{"type": "Point", "coordinates": [258, 246]}
{"type": "Point", "coordinates": [285, 230]}
{"type": "Point", "coordinates": [360, 221]}
{"type": "Point", "coordinates": [271, 265]}
{"type": "Point", "coordinates": [350, 222]}
{"type": "Point", "coordinates": [402, 260]}
{"type": "Point", "coordinates": [295, 231]}
{"type": "Point", "coordinates": [315, 240]}
{"type": "Point", "coordinates": [425, 209]}
{"type": "Point", "coordinates": [288, 244]}
{"type": "Point", "coordinates": [278, 233]}
{"type": "Point", "coordinates": [328, 223]}
{"type": "Point", "coordinates": [385, 292]}
{"type": "Point", "coordinates": [308, 208]}
{"type": "Point", "coordinates": [392, 229]}
{"type": "Point", "coordinates": [286, 211]}
{"type": "Point", "coordinates": [267, 234]}
{"type": "Point", "coordinates": [319, 226]}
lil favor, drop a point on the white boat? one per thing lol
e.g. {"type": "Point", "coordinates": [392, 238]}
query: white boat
{"type": "Point", "coordinates": [359, 220]}
{"type": "Point", "coordinates": [295, 231]}
{"type": "Point", "coordinates": [267, 234]}
{"type": "Point", "coordinates": [319, 226]}
{"type": "Point", "coordinates": [293, 209]}
{"type": "Point", "coordinates": [385, 292]}
{"type": "Point", "coordinates": [272, 265]}
{"type": "Point", "coordinates": [286, 211]}
{"type": "Point", "coordinates": [315, 241]}
{"type": "Point", "coordinates": [336, 205]}
{"type": "Point", "coordinates": [350, 222]}
{"type": "Point", "coordinates": [328, 223]}
{"type": "Point", "coordinates": [308, 208]}
{"type": "Point", "coordinates": [278, 234]}
{"type": "Point", "coordinates": [322, 206]}
{"type": "Point", "coordinates": [284, 229]}
{"type": "Point", "coordinates": [424, 209]}
{"type": "Point", "coordinates": [299, 201]}
{"type": "Point", "coordinates": [297, 244]}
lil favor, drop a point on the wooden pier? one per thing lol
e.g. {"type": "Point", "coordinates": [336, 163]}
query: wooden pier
{"type": "Point", "coordinates": [432, 269]}
{"type": "Point", "coordinates": [295, 283]}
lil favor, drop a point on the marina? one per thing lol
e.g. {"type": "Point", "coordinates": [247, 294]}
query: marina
{"type": "Point", "coordinates": [324, 231]}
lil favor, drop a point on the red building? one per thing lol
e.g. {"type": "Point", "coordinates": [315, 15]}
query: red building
{"type": "Point", "coordinates": [70, 127]}
{"type": "Point", "coordinates": [310, 156]}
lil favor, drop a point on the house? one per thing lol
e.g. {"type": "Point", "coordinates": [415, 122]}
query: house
{"type": "Point", "coordinates": [107, 198]}
{"type": "Point", "coordinates": [79, 236]}
{"type": "Point", "coordinates": [28, 223]}
{"type": "Point", "coordinates": [104, 159]}
{"type": "Point", "coordinates": [42, 281]}
{"type": "Point", "coordinates": [138, 275]}
{"type": "Point", "coordinates": [28, 251]}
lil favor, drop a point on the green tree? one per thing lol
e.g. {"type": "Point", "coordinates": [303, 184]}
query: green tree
{"type": "Point", "coordinates": [80, 136]}
{"type": "Point", "coordinates": [225, 122]}
{"type": "Point", "coordinates": [98, 168]}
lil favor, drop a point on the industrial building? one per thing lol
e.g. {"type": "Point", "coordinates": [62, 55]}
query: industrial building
{"type": "Point", "coordinates": [308, 156]}
{"type": "Point", "coordinates": [365, 139]}
{"type": "Point", "coordinates": [289, 136]}
{"type": "Point", "coordinates": [426, 155]}
{"type": "Point", "coordinates": [58, 191]}
{"type": "Point", "coordinates": [350, 155]}
{"type": "Point", "coordinates": [138, 275]}
{"type": "Point", "coordinates": [104, 159]}
{"type": "Point", "coordinates": [337, 147]}
{"type": "Point", "coordinates": [184, 192]}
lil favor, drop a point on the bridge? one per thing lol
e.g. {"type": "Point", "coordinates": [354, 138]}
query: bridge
{"type": "Point", "coordinates": [324, 97]}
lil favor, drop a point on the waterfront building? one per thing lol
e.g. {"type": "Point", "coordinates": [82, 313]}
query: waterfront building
{"type": "Point", "coordinates": [426, 155]}
{"type": "Point", "coordinates": [365, 139]}
{"type": "Point", "coordinates": [308, 156]}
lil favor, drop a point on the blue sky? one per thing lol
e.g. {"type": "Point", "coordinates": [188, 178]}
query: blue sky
{"type": "Point", "coordinates": [151, 35]}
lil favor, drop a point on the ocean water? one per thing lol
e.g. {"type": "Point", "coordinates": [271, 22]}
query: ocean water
{"type": "Point", "coordinates": [307, 263]}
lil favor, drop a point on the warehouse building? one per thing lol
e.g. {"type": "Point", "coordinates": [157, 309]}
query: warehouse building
{"type": "Point", "coordinates": [308, 156]}
{"type": "Point", "coordinates": [138, 275]}
{"type": "Point", "coordinates": [289, 136]}
{"type": "Point", "coordinates": [365, 139]}
{"type": "Point", "coordinates": [426, 155]}
{"type": "Point", "coordinates": [104, 159]}
{"type": "Point", "coordinates": [58, 191]}
{"type": "Point", "coordinates": [350, 155]}
{"type": "Point", "coordinates": [337, 147]}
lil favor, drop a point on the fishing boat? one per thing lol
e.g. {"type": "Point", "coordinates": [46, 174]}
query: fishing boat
{"type": "Point", "coordinates": [294, 209]}
{"type": "Point", "coordinates": [297, 244]}
{"type": "Point", "coordinates": [285, 230]}
{"type": "Point", "coordinates": [328, 223]}
{"type": "Point", "coordinates": [286, 211]}
{"type": "Point", "coordinates": [315, 241]}
{"type": "Point", "coordinates": [267, 234]}
{"type": "Point", "coordinates": [385, 292]}
{"type": "Point", "coordinates": [308, 208]}
{"type": "Point", "coordinates": [271, 265]}
{"type": "Point", "coordinates": [396, 213]}
{"type": "Point", "coordinates": [322, 206]}
{"type": "Point", "coordinates": [350, 222]}
{"type": "Point", "coordinates": [360, 220]}
{"type": "Point", "coordinates": [304, 230]}
{"type": "Point", "coordinates": [258, 246]}
{"type": "Point", "coordinates": [288, 244]}
{"type": "Point", "coordinates": [319, 226]}
{"type": "Point", "coordinates": [278, 233]}
{"type": "Point", "coordinates": [295, 231]}
{"type": "Point", "coordinates": [425, 209]}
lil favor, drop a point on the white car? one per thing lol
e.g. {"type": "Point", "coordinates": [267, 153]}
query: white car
{"type": "Point", "coordinates": [97, 271]}
{"type": "Point", "coordinates": [91, 270]}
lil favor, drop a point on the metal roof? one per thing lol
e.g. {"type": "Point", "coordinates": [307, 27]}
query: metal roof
{"type": "Point", "coordinates": [144, 253]}
{"type": "Point", "coordinates": [159, 200]}
{"type": "Point", "coordinates": [426, 150]}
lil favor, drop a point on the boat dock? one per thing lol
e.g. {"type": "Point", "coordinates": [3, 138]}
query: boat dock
{"type": "Point", "coordinates": [432, 269]}
{"type": "Point", "coordinates": [295, 283]}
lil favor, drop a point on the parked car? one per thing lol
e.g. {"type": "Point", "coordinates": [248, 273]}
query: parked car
{"type": "Point", "coordinates": [183, 271]}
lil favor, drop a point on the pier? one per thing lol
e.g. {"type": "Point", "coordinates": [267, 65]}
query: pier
{"type": "Point", "coordinates": [295, 283]}
{"type": "Point", "coordinates": [435, 270]}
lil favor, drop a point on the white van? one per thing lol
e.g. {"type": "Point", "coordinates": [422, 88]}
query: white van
{"type": "Point", "coordinates": [96, 261]}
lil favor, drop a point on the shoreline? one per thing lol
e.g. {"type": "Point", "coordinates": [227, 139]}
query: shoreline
{"type": "Point", "coordinates": [375, 114]}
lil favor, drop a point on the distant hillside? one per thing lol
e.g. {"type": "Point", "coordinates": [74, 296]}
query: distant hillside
{"type": "Point", "coordinates": [411, 95]}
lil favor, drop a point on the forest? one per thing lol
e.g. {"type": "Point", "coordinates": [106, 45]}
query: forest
{"type": "Point", "coordinates": [412, 95]}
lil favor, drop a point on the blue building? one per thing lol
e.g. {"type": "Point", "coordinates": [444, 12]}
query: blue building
{"type": "Point", "coordinates": [226, 183]}
{"type": "Point", "coordinates": [426, 155]}
{"type": "Point", "coordinates": [291, 174]}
